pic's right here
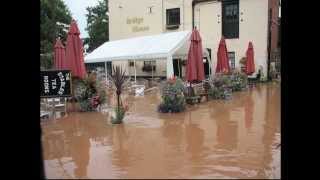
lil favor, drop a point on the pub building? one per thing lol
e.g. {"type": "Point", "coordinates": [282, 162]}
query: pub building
{"type": "Point", "coordinates": [238, 21]}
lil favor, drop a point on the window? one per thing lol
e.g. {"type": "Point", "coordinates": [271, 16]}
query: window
{"type": "Point", "coordinates": [149, 66]}
{"type": "Point", "coordinates": [149, 63]}
{"type": "Point", "coordinates": [131, 63]}
{"type": "Point", "coordinates": [173, 18]}
{"type": "Point", "coordinates": [230, 19]}
{"type": "Point", "coordinates": [232, 57]}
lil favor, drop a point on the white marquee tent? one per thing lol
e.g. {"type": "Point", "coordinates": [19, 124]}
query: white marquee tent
{"type": "Point", "coordinates": [161, 46]}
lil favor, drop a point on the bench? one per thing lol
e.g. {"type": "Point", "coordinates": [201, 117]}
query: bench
{"type": "Point", "coordinates": [198, 91]}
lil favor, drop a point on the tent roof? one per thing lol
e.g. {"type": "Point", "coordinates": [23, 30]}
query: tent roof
{"type": "Point", "coordinates": [144, 47]}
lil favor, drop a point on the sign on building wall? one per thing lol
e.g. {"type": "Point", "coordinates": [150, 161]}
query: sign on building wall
{"type": "Point", "coordinates": [55, 83]}
{"type": "Point", "coordinates": [136, 21]}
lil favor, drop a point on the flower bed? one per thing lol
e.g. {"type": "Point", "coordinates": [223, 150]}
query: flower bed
{"type": "Point", "coordinates": [238, 81]}
{"type": "Point", "coordinates": [172, 96]}
{"type": "Point", "coordinates": [89, 93]}
{"type": "Point", "coordinates": [220, 87]}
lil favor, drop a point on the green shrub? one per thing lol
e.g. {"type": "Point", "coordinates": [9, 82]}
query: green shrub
{"type": "Point", "coordinates": [89, 93]}
{"type": "Point", "coordinates": [238, 80]}
{"type": "Point", "coordinates": [220, 87]}
{"type": "Point", "coordinates": [172, 96]}
{"type": "Point", "coordinates": [220, 93]}
{"type": "Point", "coordinates": [85, 106]}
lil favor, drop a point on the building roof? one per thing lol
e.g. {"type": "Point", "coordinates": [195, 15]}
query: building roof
{"type": "Point", "coordinates": [141, 48]}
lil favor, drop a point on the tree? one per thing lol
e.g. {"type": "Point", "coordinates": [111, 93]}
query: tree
{"type": "Point", "coordinates": [97, 25]}
{"type": "Point", "coordinates": [54, 20]}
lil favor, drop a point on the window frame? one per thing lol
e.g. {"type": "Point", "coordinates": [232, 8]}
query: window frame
{"type": "Point", "coordinates": [169, 13]}
{"type": "Point", "coordinates": [149, 63]}
{"type": "Point", "coordinates": [131, 63]}
{"type": "Point", "coordinates": [230, 25]}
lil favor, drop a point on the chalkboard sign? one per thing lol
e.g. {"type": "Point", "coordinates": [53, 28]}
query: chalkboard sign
{"type": "Point", "coordinates": [55, 83]}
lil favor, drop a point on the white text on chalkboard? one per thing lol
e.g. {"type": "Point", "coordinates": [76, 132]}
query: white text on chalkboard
{"type": "Point", "coordinates": [46, 84]}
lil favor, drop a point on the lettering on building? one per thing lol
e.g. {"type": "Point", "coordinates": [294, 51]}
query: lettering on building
{"type": "Point", "coordinates": [136, 21]}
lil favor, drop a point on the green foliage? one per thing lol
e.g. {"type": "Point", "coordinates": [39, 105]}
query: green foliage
{"type": "Point", "coordinates": [220, 87]}
{"type": "Point", "coordinates": [118, 80]}
{"type": "Point", "coordinates": [220, 93]}
{"type": "Point", "coordinates": [46, 60]}
{"type": "Point", "coordinates": [89, 93]}
{"type": "Point", "coordinates": [172, 96]}
{"type": "Point", "coordinates": [120, 112]}
{"type": "Point", "coordinates": [97, 25]}
{"type": "Point", "coordinates": [51, 12]}
{"type": "Point", "coordinates": [239, 81]}
{"type": "Point", "coordinates": [85, 105]}
{"type": "Point", "coordinates": [222, 80]}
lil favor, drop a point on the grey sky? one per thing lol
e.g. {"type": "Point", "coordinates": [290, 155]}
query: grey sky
{"type": "Point", "coordinates": [78, 11]}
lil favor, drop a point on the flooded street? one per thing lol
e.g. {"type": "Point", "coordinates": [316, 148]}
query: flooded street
{"type": "Point", "coordinates": [237, 138]}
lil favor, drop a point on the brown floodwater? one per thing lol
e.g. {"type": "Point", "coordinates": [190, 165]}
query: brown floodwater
{"type": "Point", "coordinates": [237, 138]}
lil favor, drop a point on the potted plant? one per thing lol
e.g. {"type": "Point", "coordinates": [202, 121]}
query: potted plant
{"type": "Point", "coordinates": [89, 93]}
{"type": "Point", "coordinates": [118, 80]}
{"type": "Point", "coordinates": [239, 81]}
{"type": "Point", "coordinates": [220, 87]}
{"type": "Point", "coordinates": [172, 96]}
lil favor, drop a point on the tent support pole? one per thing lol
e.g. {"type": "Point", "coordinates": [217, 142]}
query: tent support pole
{"type": "Point", "coordinates": [106, 71]}
{"type": "Point", "coordinates": [210, 67]}
{"type": "Point", "coordinates": [152, 72]}
{"type": "Point", "coordinates": [170, 71]}
{"type": "Point", "coordinates": [179, 67]}
{"type": "Point", "coordinates": [135, 72]}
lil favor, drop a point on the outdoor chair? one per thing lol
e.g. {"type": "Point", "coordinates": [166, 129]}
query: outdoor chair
{"type": "Point", "coordinates": [202, 91]}
{"type": "Point", "coordinates": [58, 103]}
{"type": "Point", "coordinates": [197, 92]}
{"type": "Point", "coordinates": [254, 80]}
{"type": "Point", "coordinates": [54, 103]}
{"type": "Point", "coordinates": [139, 90]}
{"type": "Point", "coordinates": [134, 88]}
{"type": "Point", "coordinates": [44, 114]}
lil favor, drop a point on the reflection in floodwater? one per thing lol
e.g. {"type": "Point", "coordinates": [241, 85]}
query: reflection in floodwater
{"type": "Point", "coordinates": [216, 139]}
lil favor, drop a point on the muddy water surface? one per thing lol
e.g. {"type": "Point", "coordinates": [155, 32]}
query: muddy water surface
{"type": "Point", "coordinates": [217, 139]}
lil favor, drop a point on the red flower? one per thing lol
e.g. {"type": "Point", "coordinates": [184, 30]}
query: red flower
{"type": "Point", "coordinates": [95, 101]}
{"type": "Point", "coordinates": [172, 80]}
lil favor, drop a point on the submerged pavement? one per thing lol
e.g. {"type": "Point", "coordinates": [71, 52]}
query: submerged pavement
{"type": "Point", "coordinates": [237, 138]}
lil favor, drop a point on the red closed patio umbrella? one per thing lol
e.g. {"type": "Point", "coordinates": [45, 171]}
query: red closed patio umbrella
{"type": "Point", "coordinates": [222, 58]}
{"type": "Point", "coordinates": [250, 69]}
{"type": "Point", "coordinates": [74, 52]}
{"type": "Point", "coordinates": [195, 69]}
{"type": "Point", "coordinates": [59, 55]}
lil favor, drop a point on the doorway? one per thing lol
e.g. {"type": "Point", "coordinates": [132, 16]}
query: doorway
{"type": "Point", "coordinates": [177, 67]}
{"type": "Point", "coordinates": [206, 66]}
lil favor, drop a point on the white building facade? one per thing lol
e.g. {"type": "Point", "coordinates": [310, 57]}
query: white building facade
{"type": "Point", "coordinates": [239, 21]}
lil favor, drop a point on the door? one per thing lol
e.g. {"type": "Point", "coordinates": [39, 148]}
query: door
{"type": "Point", "coordinates": [177, 67]}
{"type": "Point", "coordinates": [206, 66]}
